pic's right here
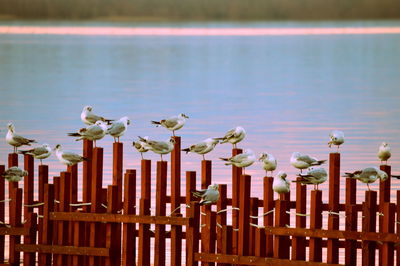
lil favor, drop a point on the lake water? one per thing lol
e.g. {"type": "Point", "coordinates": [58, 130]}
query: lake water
{"type": "Point", "coordinates": [288, 91]}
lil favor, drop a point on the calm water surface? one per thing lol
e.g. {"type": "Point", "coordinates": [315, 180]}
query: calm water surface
{"type": "Point", "coordinates": [288, 92]}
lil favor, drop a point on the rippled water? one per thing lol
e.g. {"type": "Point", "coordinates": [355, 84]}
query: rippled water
{"type": "Point", "coordinates": [287, 91]}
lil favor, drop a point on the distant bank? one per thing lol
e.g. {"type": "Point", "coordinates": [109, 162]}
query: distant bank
{"type": "Point", "coordinates": [200, 9]}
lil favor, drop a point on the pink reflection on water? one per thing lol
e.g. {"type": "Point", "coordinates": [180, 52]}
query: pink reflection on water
{"type": "Point", "coordinates": [126, 31]}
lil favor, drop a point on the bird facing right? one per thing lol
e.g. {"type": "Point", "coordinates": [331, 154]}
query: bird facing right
{"type": "Point", "coordinates": [208, 196]}
{"type": "Point", "coordinates": [336, 138]}
{"type": "Point", "coordinates": [268, 161]}
{"type": "Point", "coordinates": [280, 184]}
{"type": "Point", "coordinates": [384, 152]}
{"type": "Point", "coordinates": [14, 174]}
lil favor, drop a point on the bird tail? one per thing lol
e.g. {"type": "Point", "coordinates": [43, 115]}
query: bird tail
{"type": "Point", "coordinates": [86, 159]}
{"type": "Point", "coordinates": [319, 162]}
{"type": "Point", "coordinates": [197, 194]}
{"type": "Point", "coordinates": [224, 159]}
{"type": "Point", "coordinates": [23, 152]}
{"type": "Point", "coordinates": [157, 123]}
{"type": "Point", "coordinates": [396, 176]}
{"type": "Point", "coordinates": [74, 134]}
{"type": "Point", "coordinates": [109, 121]}
{"type": "Point", "coordinates": [142, 139]}
{"type": "Point", "coordinates": [24, 173]}
{"type": "Point", "coordinates": [351, 175]}
{"type": "Point", "coordinates": [330, 144]}
{"type": "Point", "coordinates": [187, 150]}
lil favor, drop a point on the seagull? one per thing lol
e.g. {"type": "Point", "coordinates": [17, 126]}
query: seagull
{"type": "Point", "coordinates": [208, 196]}
{"type": "Point", "coordinates": [314, 175]}
{"type": "Point", "coordinates": [269, 162]}
{"type": "Point", "coordinates": [16, 140]}
{"type": "Point", "coordinates": [203, 147]}
{"type": "Point", "coordinates": [280, 184]}
{"type": "Point", "coordinates": [68, 158]}
{"type": "Point", "coordinates": [368, 175]}
{"type": "Point", "coordinates": [233, 136]}
{"type": "Point", "coordinates": [90, 118]}
{"type": "Point", "coordinates": [40, 153]}
{"type": "Point", "coordinates": [241, 160]}
{"type": "Point", "coordinates": [118, 128]}
{"type": "Point", "coordinates": [92, 132]}
{"type": "Point", "coordinates": [303, 161]}
{"type": "Point", "coordinates": [159, 147]}
{"type": "Point", "coordinates": [141, 146]}
{"type": "Point", "coordinates": [384, 152]}
{"type": "Point", "coordinates": [337, 138]}
{"type": "Point", "coordinates": [173, 123]}
{"type": "Point", "coordinates": [14, 174]}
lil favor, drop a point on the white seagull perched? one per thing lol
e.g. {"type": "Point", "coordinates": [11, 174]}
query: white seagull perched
{"type": "Point", "coordinates": [90, 118]}
{"type": "Point", "coordinates": [141, 146]}
{"type": "Point", "coordinates": [368, 175]}
{"type": "Point", "coordinates": [173, 123]}
{"type": "Point", "coordinates": [303, 161]}
{"type": "Point", "coordinates": [337, 138]}
{"type": "Point", "coordinates": [233, 136]}
{"type": "Point", "coordinates": [16, 140]}
{"type": "Point", "coordinates": [203, 147]}
{"type": "Point", "coordinates": [159, 147]}
{"type": "Point", "coordinates": [268, 161]}
{"type": "Point", "coordinates": [40, 153]}
{"type": "Point", "coordinates": [68, 158]}
{"type": "Point", "coordinates": [208, 196]}
{"type": "Point", "coordinates": [314, 176]}
{"type": "Point", "coordinates": [280, 184]}
{"type": "Point", "coordinates": [92, 132]}
{"type": "Point", "coordinates": [384, 152]}
{"type": "Point", "coordinates": [241, 160]}
{"type": "Point", "coordinates": [118, 128]}
{"type": "Point", "coordinates": [14, 174]}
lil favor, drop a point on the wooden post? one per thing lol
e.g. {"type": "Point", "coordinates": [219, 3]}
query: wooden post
{"type": "Point", "coordinates": [269, 205]}
{"type": "Point", "coordinates": [146, 179]}
{"type": "Point", "coordinates": [192, 233]}
{"type": "Point", "coordinates": [12, 161]}
{"type": "Point", "coordinates": [2, 210]}
{"type": "Point", "coordinates": [118, 158]}
{"type": "Point", "coordinates": [56, 182]}
{"type": "Point", "coordinates": [252, 236]}
{"type": "Point", "coordinates": [315, 244]}
{"type": "Point", "coordinates": [221, 217]}
{"type": "Point", "coordinates": [190, 186]}
{"type": "Point", "coordinates": [260, 242]}
{"type": "Point", "coordinates": [144, 235]}
{"type": "Point", "coordinates": [369, 225]}
{"type": "Point", "coordinates": [281, 243]}
{"type": "Point", "coordinates": [63, 226]}
{"type": "Point", "coordinates": [398, 226]}
{"type": "Point", "coordinates": [87, 176]}
{"type": "Point", "coordinates": [96, 200]}
{"type": "Point", "coordinates": [388, 227]}
{"type": "Point", "coordinates": [30, 257]}
{"type": "Point", "coordinates": [78, 240]}
{"type": "Point", "coordinates": [48, 199]}
{"type": "Point", "coordinates": [244, 215]}
{"type": "Point", "coordinates": [113, 230]}
{"type": "Point", "coordinates": [236, 174]}
{"type": "Point", "coordinates": [43, 179]}
{"type": "Point", "coordinates": [299, 243]}
{"type": "Point", "coordinates": [209, 239]}
{"type": "Point", "coordinates": [15, 213]}
{"type": "Point", "coordinates": [161, 199]}
{"type": "Point", "coordinates": [73, 198]}
{"type": "Point", "coordinates": [351, 225]}
{"type": "Point", "coordinates": [384, 196]}
{"type": "Point", "coordinates": [129, 230]}
{"type": "Point", "coordinates": [334, 193]}
{"type": "Point", "coordinates": [205, 182]}
{"type": "Point", "coordinates": [28, 183]}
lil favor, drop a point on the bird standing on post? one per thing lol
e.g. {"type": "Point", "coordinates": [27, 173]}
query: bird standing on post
{"type": "Point", "coordinates": [233, 136]}
{"type": "Point", "coordinates": [208, 196]}
{"type": "Point", "coordinates": [203, 147]}
{"type": "Point", "coordinates": [368, 175]}
{"type": "Point", "coordinates": [68, 158]}
{"type": "Point", "coordinates": [159, 147]}
{"type": "Point", "coordinates": [337, 138]}
{"type": "Point", "coordinates": [40, 153]}
{"type": "Point", "coordinates": [14, 174]}
{"type": "Point", "coordinates": [384, 152]}
{"type": "Point", "coordinates": [173, 123]}
{"type": "Point", "coordinates": [16, 140]}
{"type": "Point", "coordinates": [90, 118]}
{"type": "Point", "coordinates": [280, 184]}
{"type": "Point", "coordinates": [92, 132]}
{"type": "Point", "coordinates": [269, 162]}
{"type": "Point", "coordinates": [118, 128]}
{"type": "Point", "coordinates": [303, 161]}
{"type": "Point", "coordinates": [141, 146]}
{"type": "Point", "coordinates": [314, 176]}
{"type": "Point", "coordinates": [242, 160]}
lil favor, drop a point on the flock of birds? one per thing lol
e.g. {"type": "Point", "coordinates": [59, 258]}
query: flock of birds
{"type": "Point", "coordinates": [98, 127]}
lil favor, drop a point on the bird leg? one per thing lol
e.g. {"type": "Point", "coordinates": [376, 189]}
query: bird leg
{"type": "Point", "coordinates": [173, 133]}
{"type": "Point", "coordinates": [368, 187]}
{"type": "Point", "coordinates": [118, 139]}
{"type": "Point", "coordinates": [203, 157]}
{"type": "Point", "coordinates": [94, 142]}
{"type": "Point", "coordinates": [244, 170]}
{"type": "Point", "coordinates": [337, 149]}
{"type": "Point", "coordinates": [161, 157]}
{"type": "Point", "coordinates": [141, 154]}
{"type": "Point", "coordinates": [41, 163]}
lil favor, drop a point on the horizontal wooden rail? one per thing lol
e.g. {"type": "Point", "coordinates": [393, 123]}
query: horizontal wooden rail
{"type": "Point", "coordinates": [66, 250]}
{"type": "Point", "coordinates": [251, 260]}
{"type": "Point", "coordinates": [117, 218]}
{"type": "Point", "coordinates": [335, 234]}
{"type": "Point", "coordinates": [14, 231]}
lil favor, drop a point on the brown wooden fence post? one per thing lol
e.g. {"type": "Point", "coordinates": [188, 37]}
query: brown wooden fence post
{"type": "Point", "coordinates": [334, 193]}
{"type": "Point", "coordinates": [56, 182]}
{"type": "Point", "coordinates": [388, 227]}
{"type": "Point", "coordinates": [48, 199]}
{"type": "Point", "coordinates": [12, 161]}
{"type": "Point", "coordinates": [236, 174]}
{"type": "Point", "coordinates": [190, 186]}
{"type": "Point", "coordinates": [28, 184]}
{"type": "Point", "coordinates": [260, 242]}
{"type": "Point", "coordinates": [43, 179]}
{"type": "Point", "coordinates": [15, 213]}
{"type": "Point", "coordinates": [369, 225]}
{"type": "Point", "coordinates": [315, 244]}
{"type": "Point", "coordinates": [221, 217]}
{"type": "Point", "coordinates": [281, 243]}
{"type": "Point", "coordinates": [161, 199]}
{"type": "Point", "coordinates": [2, 210]}
{"type": "Point", "coordinates": [63, 226]}
{"type": "Point", "coordinates": [30, 257]}
{"type": "Point", "coordinates": [384, 196]}
{"type": "Point", "coordinates": [252, 236]}
{"type": "Point", "coordinates": [129, 230]}
{"type": "Point", "coordinates": [351, 225]}
{"type": "Point", "coordinates": [144, 235]}
{"type": "Point", "coordinates": [205, 182]}
{"type": "Point", "coordinates": [244, 215]}
{"type": "Point", "coordinates": [299, 243]}
{"type": "Point", "coordinates": [398, 226]}
{"type": "Point", "coordinates": [118, 159]}
{"type": "Point", "coordinates": [113, 230]}
{"type": "Point", "coordinates": [192, 233]}
{"type": "Point", "coordinates": [269, 206]}
{"type": "Point", "coordinates": [176, 230]}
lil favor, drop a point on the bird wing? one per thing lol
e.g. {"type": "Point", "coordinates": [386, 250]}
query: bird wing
{"type": "Point", "coordinates": [92, 118]}
{"type": "Point", "coordinates": [72, 157]}
{"type": "Point", "coordinates": [94, 130]}
{"type": "Point", "coordinates": [171, 122]}
{"type": "Point", "coordinates": [20, 139]}
{"type": "Point", "coordinates": [116, 128]}
{"type": "Point", "coordinates": [199, 147]}
{"type": "Point", "coordinates": [39, 151]}
{"type": "Point", "coordinates": [306, 158]}
{"type": "Point", "coordinates": [238, 158]}
{"type": "Point", "coordinates": [159, 145]}
{"type": "Point", "coordinates": [229, 134]}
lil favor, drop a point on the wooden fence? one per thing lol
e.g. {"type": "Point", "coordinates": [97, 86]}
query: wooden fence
{"type": "Point", "coordinates": [104, 227]}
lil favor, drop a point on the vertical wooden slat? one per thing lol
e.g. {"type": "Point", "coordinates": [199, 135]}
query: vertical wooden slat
{"type": "Point", "coordinates": [118, 158]}
{"type": "Point", "coordinates": [315, 244]}
{"type": "Point", "coordinates": [96, 200]}
{"type": "Point", "coordinates": [28, 183]}
{"type": "Point", "coordinates": [190, 186]}
{"type": "Point", "coordinates": [113, 230]}
{"type": "Point", "coordinates": [221, 217]}
{"type": "Point", "coordinates": [48, 199]}
{"type": "Point", "coordinates": [176, 230]}
{"type": "Point", "coordinates": [73, 198]}
{"type": "Point", "coordinates": [78, 240]}
{"type": "Point", "coordinates": [63, 226]}
{"type": "Point", "coordinates": [144, 235]}
{"type": "Point", "coordinates": [161, 196]}
{"type": "Point", "coordinates": [129, 232]}
{"type": "Point", "coordinates": [252, 236]}
{"type": "Point", "coordinates": [388, 227]}
{"type": "Point", "coordinates": [334, 193]}
{"type": "Point", "coordinates": [87, 176]}
{"type": "Point", "coordinates": [260, 242]}
{"type": "Point", "coordinates": [269, 218]}
{"type": "Point", "coordinates": [351, 225]}
{"type": "Point", "coordinates": [299, 243]}
{"type": "Point", "coordinates": [145, 179]}
{"type": "Point", "coordinates": [43, 179]}
{"type": "Point", "coordinates": [205, 182]}
{"type": "Point", "coordinates": [209, 239]}
{"type": "Point", "coordinates": [56, 182]}
{"type": "Point", "coordinates": [384, 196]}
{"type": "Point", "coordinates": [12, 161]}
{"type": "Point", "coordinates": [281, 243]}
{"type": "Point", "coordinates": [2, 210]}
{"type": "Point", "coordinates": [244, 215]}
{"type": "Point", "coordinates": [398, 226]}
{"type": "Point", "coordinates": [30, 257]}
{"type": "Point", "coordinates": [15, 221]}
{"type": "Point", "coordinates": [236, 174]}
{"type": "Point", "coordinates": [369, 225]}
{"type": "Point", "coordinates": [192, 233]}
